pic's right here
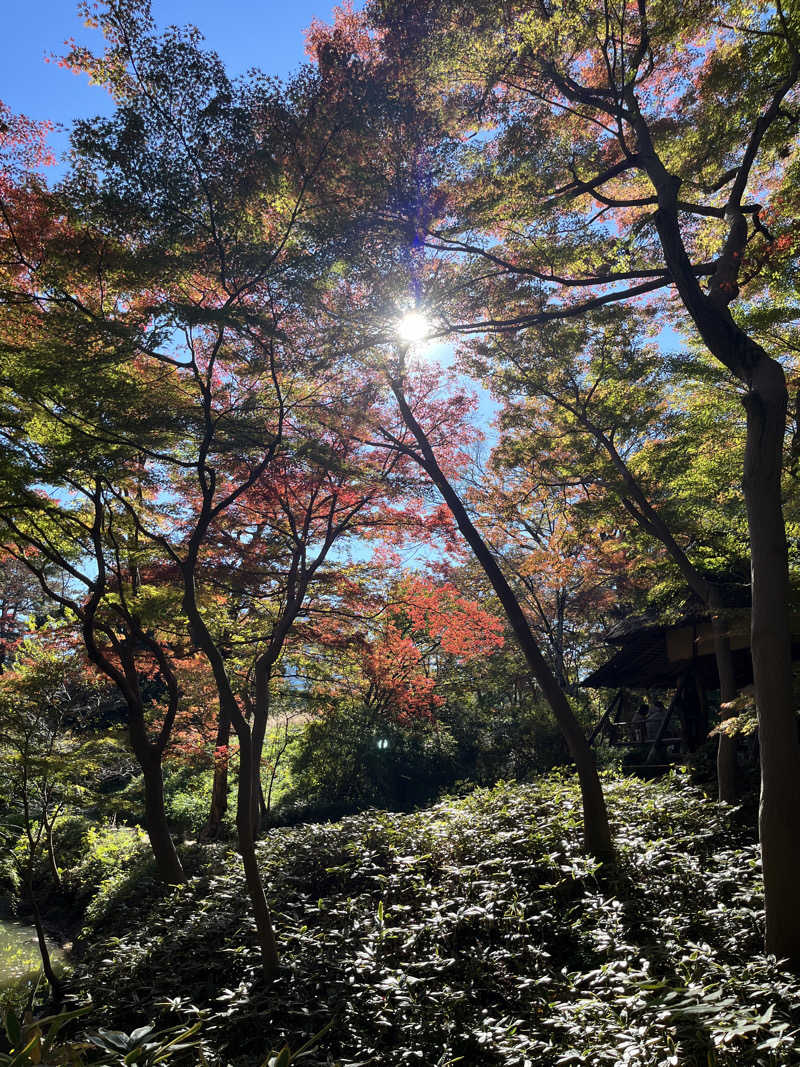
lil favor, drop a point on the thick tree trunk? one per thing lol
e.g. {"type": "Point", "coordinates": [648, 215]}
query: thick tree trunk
{"type": "Point", "coordinates": [155, 820]}
{"type": "Point", "coordinates": [596, 831]}
{"type": "Point", "coordinates": [219, 789]}
{"type": "Point", "coordinates": [779, 824]}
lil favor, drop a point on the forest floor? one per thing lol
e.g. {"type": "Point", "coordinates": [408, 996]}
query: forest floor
{"type": "Point", "coordinates": [473, 932]}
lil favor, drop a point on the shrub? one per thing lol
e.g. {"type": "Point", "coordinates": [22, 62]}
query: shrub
{"type": "Point", "coordinates": [347, 760]}
{"type": "Point", "coordinates": [115, 864]}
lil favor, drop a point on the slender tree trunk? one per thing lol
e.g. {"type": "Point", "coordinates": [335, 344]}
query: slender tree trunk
{"type": "Point", "coordinates": [219, 790]}
{"type": "Point", "coordinates": [279, 752]}
{"type": "Point", "coordinates": [779, 824]}
{"type": "Point", "coordinates": [245, 830]}
{"type": "Point", "coordinates": [56, 987]}
{"type": "Point", "coordinates": [272, 776]}
{"type": "Point", "coordinates": [596, 830]}
{"type": "Point", "coordinates": [246, 838]}
{"type": "Point", "coordinates": [51, 852]}
{"type": "Point", "coordinates": [260, 721]}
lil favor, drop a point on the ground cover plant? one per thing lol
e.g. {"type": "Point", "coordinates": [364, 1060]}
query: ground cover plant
{"type": "Point", "coordinates": [474, 931]}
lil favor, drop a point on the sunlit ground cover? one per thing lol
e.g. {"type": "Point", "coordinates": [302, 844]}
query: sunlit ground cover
{"type": "Point", "coordinates": [473, 932]}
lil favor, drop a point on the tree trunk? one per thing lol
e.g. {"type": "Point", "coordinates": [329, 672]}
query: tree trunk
{"type": "Point", "coordinates": [51, 858]}
{"type": "Point", "coordinates": [51, 852]}
{"type": "Point", "coordinates": [244, 818]}
{"type": "Point", "coordinates": [219, 790]}
{"type": "Point", "coordinates": [779, 824]}
{"type": "Point", "coordinates": [279, 751]}
{"type": "Point", "coordinates": [246, 838]}
{"type": "Point", "coordinates": [56, 987]}
{"type": "Point", "coordinates": [596, 831]}
{"type": "Point", "coordinates": [155, 820]}
{"type": "Point", "coordinates": [260, 720]}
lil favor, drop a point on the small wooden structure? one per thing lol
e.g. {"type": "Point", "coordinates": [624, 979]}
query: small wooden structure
{"type": "Point", "coordinates": [665, 682]}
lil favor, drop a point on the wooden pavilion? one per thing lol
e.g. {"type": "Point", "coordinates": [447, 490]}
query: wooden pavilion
{"type": "Point", "coordinates": [665, 683]}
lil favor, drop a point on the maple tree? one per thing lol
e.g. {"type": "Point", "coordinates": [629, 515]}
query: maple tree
{"type": "Point", "coordinates": [217, 428]}
{"type": "Point", "coordinates": [430, 431]}
{"type": "Point", "coordinates": [387, 277]}
{"type": "Point", "coordinates": [77, 549]}
{"type": "Point", "coordinates": [376, 676]}
{"type": "Point", "coordinates": [590, 405]}
{"type": "Point", "coordinates": [269, 564]}
{"type": "Point", "coordinates": [661, 168]}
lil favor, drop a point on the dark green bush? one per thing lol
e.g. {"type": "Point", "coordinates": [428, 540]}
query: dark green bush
{"type": "Point", "coordinates": [348, 760]}
{"type": "Point", "coordinates": [187, 797]}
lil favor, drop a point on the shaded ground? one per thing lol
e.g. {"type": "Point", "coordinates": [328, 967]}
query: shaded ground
{"type": "Point", "coordinates": [472, 932]}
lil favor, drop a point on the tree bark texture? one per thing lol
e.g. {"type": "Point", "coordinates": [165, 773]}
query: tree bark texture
{"type": "Point", "coordinates": [155, 820]}
{"type": "Point", "coordinates": [219, 789]}
{"type": "Point", "coordinates": [779, 824]}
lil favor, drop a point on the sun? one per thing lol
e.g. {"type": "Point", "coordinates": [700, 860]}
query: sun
{"type": "Point", "coordinates": [412, 327]}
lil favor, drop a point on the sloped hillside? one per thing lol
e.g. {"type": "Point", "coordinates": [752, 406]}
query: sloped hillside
{"type": "Point", "coordinates": [473, 932]}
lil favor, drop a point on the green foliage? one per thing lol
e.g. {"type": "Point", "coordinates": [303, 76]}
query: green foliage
{"type": "Point", "coordinates": [349, 759]}
{"type": "Point", "coordinates": [498, 737]}
{"type": "Point", "coordinates": [114, 866]}
{"type": "Point", "coordinates": [475, 929]}
{"type": "Point", "coordinates": [36, 1041]}
{"type": "Point", "coordinates": [145, 1045]}
{"type": "Point", "coordinates": [71, 833]}
{"type": "Point", "coordinates": [9, 879]}
{"type": "Point", "coordinates": [187, 798]}
{"type": "Point", "coordinates": [40, 1041]}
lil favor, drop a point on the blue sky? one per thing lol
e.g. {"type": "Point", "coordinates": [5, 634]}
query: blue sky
{"type": "Point", "coordinates": [246, 33]}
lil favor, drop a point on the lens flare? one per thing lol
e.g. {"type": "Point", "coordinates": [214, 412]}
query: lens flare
{"type": "Point", "coordinates": [413, 327]}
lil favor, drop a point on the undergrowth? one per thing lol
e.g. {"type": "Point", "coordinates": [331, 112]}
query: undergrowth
{"type": "Point", "coordinates": [472, 932]}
